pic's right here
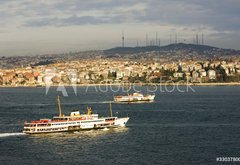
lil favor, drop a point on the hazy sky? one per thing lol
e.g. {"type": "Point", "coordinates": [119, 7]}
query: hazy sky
{"type": "Point", "coordinates": [30, 27]}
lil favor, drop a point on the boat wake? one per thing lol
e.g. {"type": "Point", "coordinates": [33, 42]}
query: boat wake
{"type": "Point", "coordinates": [11, 134]}
{"type": "Point", "coordinates": [105, 129]}
{"type": "Point", "coordinates": [46, 105]}
{"type": "Point", "coordinates": [87, 102]}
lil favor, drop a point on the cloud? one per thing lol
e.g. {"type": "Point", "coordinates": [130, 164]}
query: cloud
{"type": "Point", "coordinates": [75, 20]}
{"type": "Point", "coordinates": [217, 18]}
{"type": "Point", "coordinates": [218, 15]}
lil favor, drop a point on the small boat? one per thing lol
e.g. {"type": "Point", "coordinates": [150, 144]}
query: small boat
{"type": "Point", "coordinates": [74, 122]}
{"type": "Point", "coordinates": [135, 97]}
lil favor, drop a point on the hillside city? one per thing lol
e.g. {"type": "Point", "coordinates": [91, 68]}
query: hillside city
{"type": "Point", "coordinates": [105, 71]}
{"type": "Point", "coordinates": [171, 65]}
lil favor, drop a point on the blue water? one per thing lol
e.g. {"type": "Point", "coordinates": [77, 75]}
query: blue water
{"type": "Point", "coordinates": [178, 128]}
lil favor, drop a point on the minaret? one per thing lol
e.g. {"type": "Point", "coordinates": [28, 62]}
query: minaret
{"type": "Point", "coordinates": [202, 39]}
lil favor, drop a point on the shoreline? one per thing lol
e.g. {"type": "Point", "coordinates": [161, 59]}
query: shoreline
{"type": "Point", "coordinates": [119, 84]}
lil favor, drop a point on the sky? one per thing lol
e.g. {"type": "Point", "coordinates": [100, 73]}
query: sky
{"type": "Point", "coordinates": [30, 27]}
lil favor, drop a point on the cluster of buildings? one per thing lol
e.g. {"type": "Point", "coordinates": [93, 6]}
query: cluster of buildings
{"type": "Point", "coordinates": [102, 71]}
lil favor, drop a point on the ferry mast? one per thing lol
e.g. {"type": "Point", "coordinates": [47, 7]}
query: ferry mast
{"type": "Point", "coordinates": [59, 107]}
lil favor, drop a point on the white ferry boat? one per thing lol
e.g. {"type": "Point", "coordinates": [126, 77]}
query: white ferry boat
{"type": "Point", "coordinates": [74, 122]}
{"type": "Point", "coordinates": [135, 97]}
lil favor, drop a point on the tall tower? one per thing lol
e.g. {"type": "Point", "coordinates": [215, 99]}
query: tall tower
{"type": "Point", "coordinates": [197, 38]}
{"type": "Point", "coordinates": [170, 39]}
{"type": "Point", "coordinates": [156, 39]}
{"type": "Point", "coordinates": [123, 39]}
{"type": "Point", "coordinates": [176, 38]}
{"type": "Point", "coordinates": [202, 39]}
{"type": "Point", "coordinates": [159, 42]}
{"type": "Point", "coordinates": [146, 39]}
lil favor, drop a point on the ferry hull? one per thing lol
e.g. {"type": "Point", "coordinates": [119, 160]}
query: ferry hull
{"type": "Point", "coordinates": [129, 99]}
{"type": "Point", "coordinates": [74, 122]}
{"type": "Point", "coordinates": [119, 122]}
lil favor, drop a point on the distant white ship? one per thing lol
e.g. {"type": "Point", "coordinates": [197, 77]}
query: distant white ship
{"type": "Point", "coordinates": [74, 122]}
{"type": "Point", "coordinates": [135, 97]}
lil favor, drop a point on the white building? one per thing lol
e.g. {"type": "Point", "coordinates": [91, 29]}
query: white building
{"type": "Point", "coordinates": [178, 75]}
{"type": "Point", "coordinates": [203, 73]}
{"type": "Point", "coordinates": [119, 75]}
{"type": "Point", "coordinates": [40, 79]}
{"type": "Point", "coordinates": [212, 74]}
